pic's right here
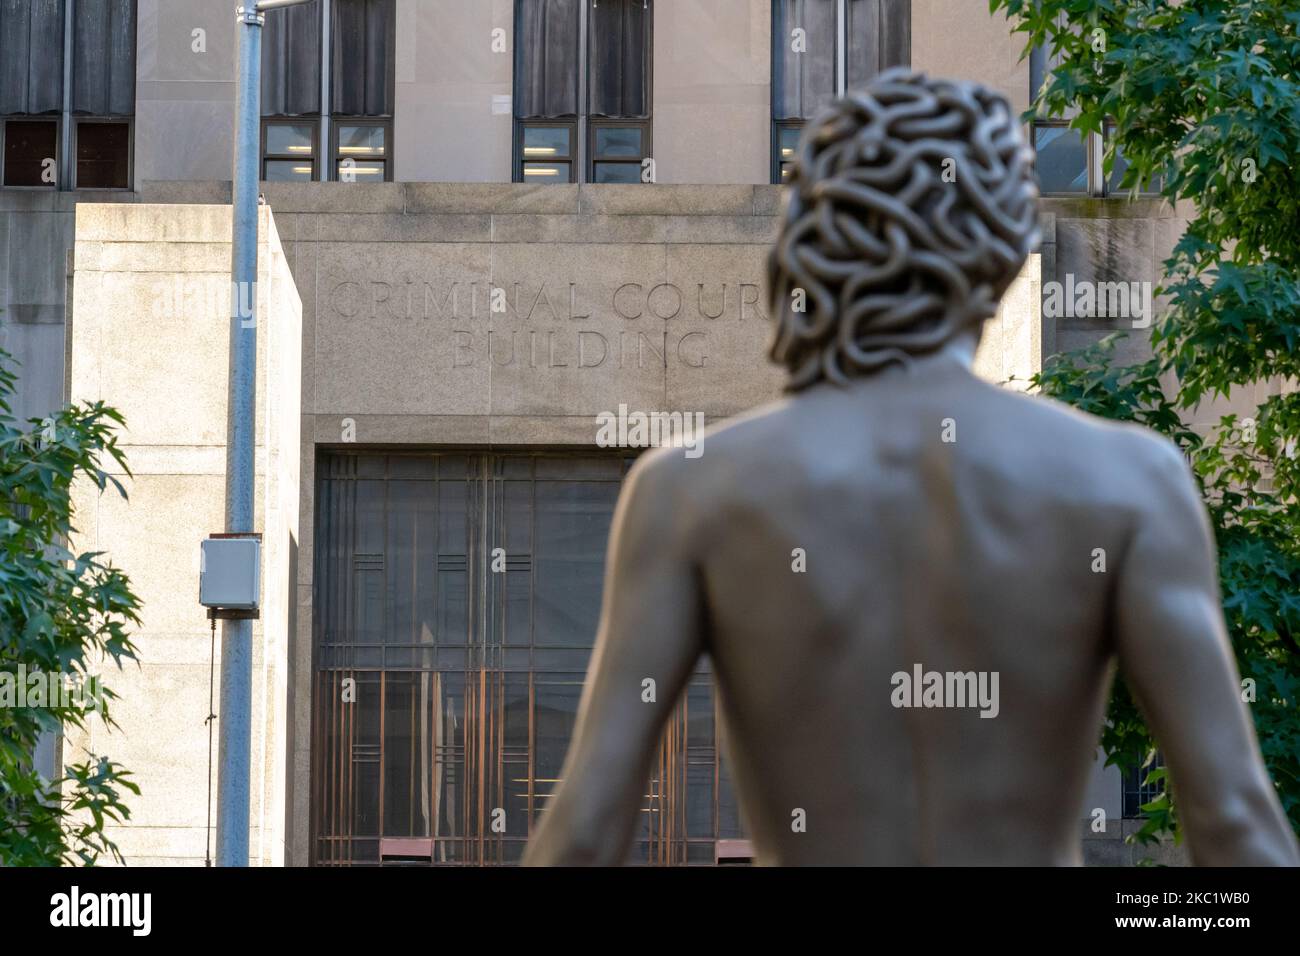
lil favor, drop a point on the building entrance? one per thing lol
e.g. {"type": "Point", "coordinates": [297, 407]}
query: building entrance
{"type": "Point", "coordinates": [455, 606]}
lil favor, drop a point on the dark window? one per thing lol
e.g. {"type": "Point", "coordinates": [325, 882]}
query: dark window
{"type": "Point", "coordinates": [32, 43]}
{"type": "Point", "coordinates": [1042, 61]}
{"type": "Point", "coordinates": [878, 35]}
{"type": "Point", "coordinates": [31, 153]}
{"type": "Point", "coordinates": [547, 41]}
{"type": "Point", "coordinates": [355, 121]}
{"type": "Point", "coordinates": [363, 38]}
{"type": "Point", "coordinates": [103, 155]}
{"type": "Point", "coordinates": [103, 57]}
{"type": "Point", "coordinates": [817, 56]}
{"type": "Point", "coordinates": [803, 58]}
{"type": "Point", "coordinates": [31, 57]}
{"type": "Point", "coordinates": [610, 117]}
{"type": "Point", "coordinates": [619, 59]}
{"type": "Point", "coordinates": [291, 61]}
{"type": "Point", "coordinates": [1070, 163]}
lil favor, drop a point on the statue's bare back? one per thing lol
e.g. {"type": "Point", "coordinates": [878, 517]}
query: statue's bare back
{"type": "Point", "coordinates": [946, 527]}
{"type": "Point", "coordinates": [914, 585]}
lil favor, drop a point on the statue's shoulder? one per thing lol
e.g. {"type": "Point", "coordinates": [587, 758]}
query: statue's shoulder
{"type": "Point", "coordinates": [713, 465]}
{"type": "Point", "coordinates": [1143, 444]}
{"type": "Point", "coordinates": [1101, 447]}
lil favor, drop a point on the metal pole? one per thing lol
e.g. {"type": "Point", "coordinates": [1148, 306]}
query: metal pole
{"type": "Point", "coordinates": [237, 635]}
{"type": "Point", "coordinates": [236, 711]}
{"type": "Point", "coordinates": [236, 720]}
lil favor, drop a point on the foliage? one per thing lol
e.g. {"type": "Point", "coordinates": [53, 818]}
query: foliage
{"type": "Point", "coordinates": [1205, 96]}
{"type": "Point", "coordinates": [59, 613]}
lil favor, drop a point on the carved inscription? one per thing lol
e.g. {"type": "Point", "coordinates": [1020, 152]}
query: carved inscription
{"type": "Point", "coordinates": [558, 324]}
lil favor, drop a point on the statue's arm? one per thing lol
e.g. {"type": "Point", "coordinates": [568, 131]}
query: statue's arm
{"type": "Point", "coordinates": [650, 630]}
{"type": "Point", "coordinates": [1175, 657]}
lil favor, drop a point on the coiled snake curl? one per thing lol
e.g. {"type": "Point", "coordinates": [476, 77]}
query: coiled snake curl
{"type": "Point", "coordinates": [893, 261]}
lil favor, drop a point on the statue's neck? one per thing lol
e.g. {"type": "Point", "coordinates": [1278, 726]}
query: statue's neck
{"type": "Point", "coordinates": [961, 350]}
{"type": "Point", "coordinates": [956, 352]}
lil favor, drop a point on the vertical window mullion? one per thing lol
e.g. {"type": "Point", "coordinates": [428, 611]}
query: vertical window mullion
{"type": "Point", "coordinates": [841, 48]}
{"type": "Point", "coordinates": [584, 103]}
{"type": "Point", "coordinates": [1096, 179]}
{"type": "Point", "coordinates": [65, 180]}
{"type": "Point", "coordinates": [326, 169]}
{"type": "Point", "coordinates": [292, 47]}
{"type": "Point", "coordinates": [807, 78]}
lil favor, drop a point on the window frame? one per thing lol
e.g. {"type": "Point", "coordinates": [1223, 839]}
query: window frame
{"type": "Point", "coordinates": [66, 120]}
{"type": "Point", "coordinates": [312, 123]}
{"type": "Point", "coordinates": [383, 122]}
{"type": "Point", "coordinates": [777, 161]}
{"type": "Point", "coordinates": [605, 122]}
{"type": "Point", "coordinates": [839, 65]}
{"type": "Point", "coordinates": [77, 123]}
{"type": "Point", "coordinates": [1091, 158]}
{"type": "Point", "coordinates": [837, 68]}
{"type": "Point", "coordinates": [324, 120]}
{"type": "Point", "coordinates": [57, 123]}
{"type": "Point", "coordinates": [582, 162]}
{"type": "Point", "coordinates": [1098, 184]}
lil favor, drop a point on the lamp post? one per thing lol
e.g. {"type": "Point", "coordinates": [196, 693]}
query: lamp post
{"type": "Point", "coordinates": [236, 710]}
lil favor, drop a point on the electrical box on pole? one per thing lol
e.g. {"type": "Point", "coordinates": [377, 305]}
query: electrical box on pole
{"type": "Point", "coordinates": [230, 570]}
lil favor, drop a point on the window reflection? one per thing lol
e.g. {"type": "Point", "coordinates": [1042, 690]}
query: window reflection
{"type": "Point", "coordinates": [1062, 161]}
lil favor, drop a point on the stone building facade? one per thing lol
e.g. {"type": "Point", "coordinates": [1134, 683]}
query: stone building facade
{"type": "Point", "coordinates": [442, 318]}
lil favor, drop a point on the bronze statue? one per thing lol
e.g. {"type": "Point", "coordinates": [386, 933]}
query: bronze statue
{"type": "Point", "coordinates": [913, 584]}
